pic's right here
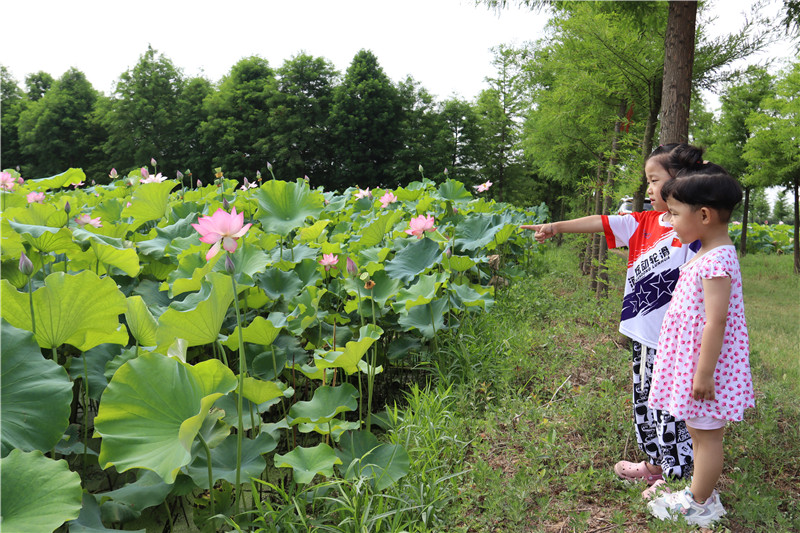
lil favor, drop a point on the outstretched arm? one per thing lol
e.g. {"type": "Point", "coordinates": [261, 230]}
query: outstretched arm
{"type": "Point", "coordinates": [590, 224]}
{"type": "Point", "coordinates": [716, 294]}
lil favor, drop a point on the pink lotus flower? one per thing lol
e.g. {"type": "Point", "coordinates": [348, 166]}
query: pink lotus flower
{"type": "Point", "coordinates": [363, 193]}
{"type": "Point", "coordinates": [87, 219]}
{"type": "Point", "coordinates": [113, 174]}
{"type": "Point", "coordinates": [76, 185]}
{"type": "Point", "coordinates": [158, 178]}
{"type": "Point", "coordinates": [329, 260]}
{"type": "Point", "coordinates": [35, 197]}
{"type": "Point", "coordinates": [388, 198]}
{"type": "Point", "coordinates": [419, 225]}
{"type": "Point", "coordinates": [248, 185]}
{"type": "Point", "coordinates": [483, 187]}
{"type": "Point", "coordinates": [222, 230]}
{"type": "Point", "coordinates": [7, 181]}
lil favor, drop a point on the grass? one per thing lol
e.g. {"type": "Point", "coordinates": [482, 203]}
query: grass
{"type": "Point", "coordinates": [542, 388]}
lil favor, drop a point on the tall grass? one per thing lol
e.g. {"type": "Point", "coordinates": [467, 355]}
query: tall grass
{"type": "Point", "coordinates": [543, 396]}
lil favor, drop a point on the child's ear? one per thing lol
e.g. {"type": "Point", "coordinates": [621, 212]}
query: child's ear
{"type": "Point", "coordinates": [705, 215]}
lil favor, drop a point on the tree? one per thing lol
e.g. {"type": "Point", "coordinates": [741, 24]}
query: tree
{"type": "Point", "coordinates": [54, 131]}
{"type": "Point", "coordinates": [298, 118]}
{"type": "Point", "coordinates": [424, 135]}
{"type": "Point", "coordinates": [365, 123]}
{"type": "Point", "coordinates": [678, 61]}
{"type": "Point", "coordinates": [238, 130]}
{"type": "Point", "coordinates": [38, 84]}
{"type": "Point", "coordinates": [782, 210]}
{"type": "Point", "coordinates": [731, 132]}
{"type": "Point", "coordinates": [195, 154]}
{"type": "Point", "coordinates": [464, 136]}
{"type": "Point", "coordinates": [143, 116]}
{"type": "Point", "coordinates": [11, 105]}
{"type": "Point", "coordinates": [771, 152]}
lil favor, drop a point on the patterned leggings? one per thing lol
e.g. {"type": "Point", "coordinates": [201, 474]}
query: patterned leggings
{"type": "Point", "coordinates": [666, 441]}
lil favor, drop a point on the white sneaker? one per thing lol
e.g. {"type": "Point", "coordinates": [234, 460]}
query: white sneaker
{"type": "Point", "coordinates": [682, 504]}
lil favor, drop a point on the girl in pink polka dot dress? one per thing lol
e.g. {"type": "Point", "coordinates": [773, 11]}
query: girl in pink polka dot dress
{"type": "Point", "coordinates": [702, 369]}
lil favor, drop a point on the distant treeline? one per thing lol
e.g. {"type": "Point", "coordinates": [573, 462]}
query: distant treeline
{"type": "Point", "coordinates": [304, 119]}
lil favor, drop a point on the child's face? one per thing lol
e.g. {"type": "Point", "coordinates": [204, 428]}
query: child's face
{"type": "Point", "coordinates": [656, 176]}
{"type": "Point", "coordinates": [687, 222]}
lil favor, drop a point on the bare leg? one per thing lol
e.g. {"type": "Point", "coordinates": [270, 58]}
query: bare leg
{"type": "Point", "coordinates": [654, 469]}
{"type": "Point", "coordinates": [708, 459]}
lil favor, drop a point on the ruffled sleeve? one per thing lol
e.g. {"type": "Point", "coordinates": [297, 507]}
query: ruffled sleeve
{"type": "Point", "coordinates": [715, 267]}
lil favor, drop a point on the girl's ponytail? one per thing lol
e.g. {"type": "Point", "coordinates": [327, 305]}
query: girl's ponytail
{"type": "Point", "coordinates": [685, 157]}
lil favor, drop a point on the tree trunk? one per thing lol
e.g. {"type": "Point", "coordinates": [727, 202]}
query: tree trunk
{"type": "Point", "coordinates": [678, 60]}
{"type": "Point", "coordinates": [594, 256]}
{"type": "Point", "coordinates": [647, 142]}
{"type": "Point", "coordinates": [745, 216]}
{"type": "Point", "coordinates": [796, 226]}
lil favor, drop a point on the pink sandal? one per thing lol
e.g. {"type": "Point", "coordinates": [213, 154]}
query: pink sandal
{"type": "Point", "coordinates": [655, 489]}
{"type": "Point", "coordinates": [636, 472]}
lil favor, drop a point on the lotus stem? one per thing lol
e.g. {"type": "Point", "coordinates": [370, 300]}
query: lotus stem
{"type": "Point", "coordinates": [210, 473]}
{"type": "Point", "coordinates": [371, 370]}
{"type": "Point", "coordinates": [85, 413]}
{"type": "Point", "coordinates": [30, 300]}
{"type": "Point", "coordinates": [239, 407]}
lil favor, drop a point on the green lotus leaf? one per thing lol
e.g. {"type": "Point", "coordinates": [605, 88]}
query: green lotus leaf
{"type": "Point", "coordinates": [152, 410]}
{"type": "Point", "coordinates": [335, 428]}
{"type": "Point", "coordinates": [46, 239]}
{"type": "Point", "coordinates": [164, 242]}
{"type": "Point", "coordinates": [247, 261]}
{"type": "Point", "coordinates": [191, 271]}
{"type": "Point", "coordinates": [467, 296]}
{"type": "Point", "coordinates": [129, 501]}
{"type": "Point", "coordinates": [305, 310]}
{"type": "Point", "coordinates": [259, 391]}
{"type": "Point", "coordinates": [413, 259]}
{"type": "Point", "coordinates": [478, 231]}
{"type": "Point", "coordinates": [35, 394]}
{"type": "Point", "coordinates": [199, 317]}
{"type": "Point", "coordinates": [428, 319]}
{"type": "Point", "coordinates": [90, 520]}
{"type": "Point", "coordinates": [80, 309]}
{"type": "Point", "coordinates": [312, 233]}
{"type": "Point", "coordinates": [73, 175]}
{"type": "Point", "coordinates": [459, 263]}
{"type": "Point", "coordinates": [326, 403]}
{"type": "Point", "coordinates": [308, 462]}
{"type": "Point", "coordinates": [149, 202]}
{"type": "Point", "coordinates": [39, 215]}
{"type": "Point", "coordinates": [277, 283]}
{"type": "Point", "coordinates": [10, 241]}
{"type": "Point", "coordinates": [353, 351]}
{"type": "Point", "coordinates": [260, 331]}
{"type": "Point", "coordinates": [223, 460]}
{"type": "Point", "coordinates": [376, 232]}
{"type": "Point", "coordinates": [402, 346]}
{"type": "Point", "coordinates": [141, 323]}
{"type": "Point", "coordinates": [454, 190]}
{"type": "Point", "coordinates": [110, 251]}
{"type": "Point", "coordinates": [505, 232]}
{"type": "Point", "coordinates": [96, 360]}
{"type": "Point", "coordinates": [363, 456]}
{"type": "Point", "coordinates": [284, 206]}
{"type": "Point", "coordinates": [421, 293]}
{"type": "Point", "coordinates": [38, 493]}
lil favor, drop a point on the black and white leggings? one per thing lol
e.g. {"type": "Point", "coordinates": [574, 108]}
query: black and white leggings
{"type": "Point", "coordinates": [666, 441]}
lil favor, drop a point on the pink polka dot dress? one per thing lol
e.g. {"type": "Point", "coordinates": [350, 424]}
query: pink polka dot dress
{"type": "Point", "coordinates": [679, 345]}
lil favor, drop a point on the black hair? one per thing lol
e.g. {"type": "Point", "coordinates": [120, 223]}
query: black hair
{"type": "Point", "coordinates": [705, 185]}
{"type": "Point", "coordinates": [675, 157]}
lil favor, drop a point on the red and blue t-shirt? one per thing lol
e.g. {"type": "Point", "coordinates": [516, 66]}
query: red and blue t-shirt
{"type": "Point", "coordinates": [654, 259]}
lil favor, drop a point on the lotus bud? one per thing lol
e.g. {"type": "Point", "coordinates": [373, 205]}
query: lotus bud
{"type": "Point", "coordinates": [269, 166]}
{"type": "Point", "coordinates": [449, 252]}
{"type": "Point", "coordinates": [246, 183]}
{"type": "Point", "coordinates": [20, 180]}
{"type": "Point", "coordinates": [258, 175]}
{"type": "Point", "coordinates": [420, 168]}
{"type": "Point", "coordinates": [25, 265]}
{"type": "Point", "coordinates": [145, 172]}
{"type": "Point", "coordinates": [67, 208]}
{"type": "Point", "coordinates": [445, 171]}
{"type": "Point", "coordinates": [229, 266]}
{"type": "Point", "coordinates": [306, 178]}
{"type": "Point", "coordinates": [351, 267]}
{"type": "Point", "coordinates": [153, 162]}
{"type": "Point", "coordinates": [180, 175]}
{"type": "Point", "coordinates": [93, 183]}
{"type": "Point", "coordinates": [199, 184]}
{"type": "Point", "coordinates": [225, 204]}
{"type": "Point", "coordinates": [113, 174]}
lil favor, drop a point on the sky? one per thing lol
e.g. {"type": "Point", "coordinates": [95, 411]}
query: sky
{"type": "Point", "coordinates": [445, 45]}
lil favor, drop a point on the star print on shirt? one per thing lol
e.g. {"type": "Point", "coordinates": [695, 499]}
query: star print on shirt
{"type": "Point", "coordinates": [651, 292]}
